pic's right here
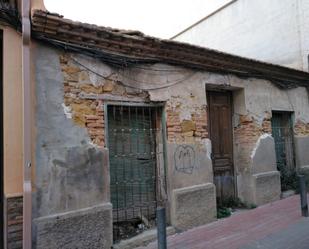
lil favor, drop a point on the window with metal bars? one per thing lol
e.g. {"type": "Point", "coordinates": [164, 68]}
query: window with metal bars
{"type": "Point", "coordinates": [135, 141]}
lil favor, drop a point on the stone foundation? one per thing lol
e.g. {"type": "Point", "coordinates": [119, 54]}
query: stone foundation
{"type": "Point", "coordinates": [84, 228]}
{"type": "Point", "coordinates": [266, 187]}
{"type": "Point", "coordinates": [193, 206]}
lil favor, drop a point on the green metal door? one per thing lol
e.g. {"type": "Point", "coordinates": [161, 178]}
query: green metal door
{"type": "Point", "coordinates": [132, 144]}
{"type": "Point", "coordinates": [282, 131]}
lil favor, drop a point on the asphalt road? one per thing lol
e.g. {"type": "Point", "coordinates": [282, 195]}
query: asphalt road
{"type": "Point", "coordinates": [295, 236]}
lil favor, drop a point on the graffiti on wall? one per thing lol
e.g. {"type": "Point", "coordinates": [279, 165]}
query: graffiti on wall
{"type": "Point", "coordinates": [184, 159]}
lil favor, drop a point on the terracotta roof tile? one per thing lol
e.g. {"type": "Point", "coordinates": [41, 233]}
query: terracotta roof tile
{"type": "Point", "coordinates": [134, 45]}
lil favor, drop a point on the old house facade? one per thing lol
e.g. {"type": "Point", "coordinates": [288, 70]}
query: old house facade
{"type": "Point", "coordinates": [123, 123]}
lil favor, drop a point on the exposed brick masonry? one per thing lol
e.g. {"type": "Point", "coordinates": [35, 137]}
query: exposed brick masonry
{"type": "Point", "coordinates": [14, 216]}
{"type": "Point", "coordinates": [89, 113]}
{"type": "Point", "coordinates": [85, 112]}
{"type": "Point", "coordinates": [301, 128]}
{"type": "Point", "coordinates": [186, 130]}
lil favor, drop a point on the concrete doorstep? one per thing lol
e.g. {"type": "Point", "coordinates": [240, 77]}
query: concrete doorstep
{"type": "Point", "coordinates": [142, 239]}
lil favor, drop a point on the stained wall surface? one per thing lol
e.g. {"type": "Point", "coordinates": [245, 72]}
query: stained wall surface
{"type": "Point", "coordinates": [72, 90]}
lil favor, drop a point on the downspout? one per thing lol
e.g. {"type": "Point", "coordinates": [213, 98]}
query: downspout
{"type": "Point", "coordinates": [27, 207]}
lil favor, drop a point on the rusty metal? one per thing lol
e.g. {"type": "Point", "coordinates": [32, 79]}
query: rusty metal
{"type": "Point", "coordinates": [136, 153]}
{"type": "Point", "coordinates": [27, 207]}
{"type": "Point", "coordinates": [283, 133]}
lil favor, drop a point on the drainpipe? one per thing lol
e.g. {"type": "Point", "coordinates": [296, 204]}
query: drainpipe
{"type": "Point", "coordinates": [27, 207]}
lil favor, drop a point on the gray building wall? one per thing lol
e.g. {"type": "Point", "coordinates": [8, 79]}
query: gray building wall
{"type": "Point", "coordinates": [272, 31]}
{"type": "Point", "coordinates": [71, 206]}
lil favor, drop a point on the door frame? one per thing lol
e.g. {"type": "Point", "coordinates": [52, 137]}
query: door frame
{"type": "Point", "coordinates": [164, 134]}
{"type": "Point", "coordinates": [140, 104]}
{"type": "Point", "coordinates": [208, 92]}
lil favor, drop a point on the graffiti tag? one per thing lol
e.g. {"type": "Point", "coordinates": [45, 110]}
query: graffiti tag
{"type": "Point", "coordinates": [184, 159]}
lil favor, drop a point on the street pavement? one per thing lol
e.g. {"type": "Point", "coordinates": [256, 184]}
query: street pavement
{"type": "Point", "coordinates": [295, 236]}
{"type": "Point", "coordinates": [274, 225]}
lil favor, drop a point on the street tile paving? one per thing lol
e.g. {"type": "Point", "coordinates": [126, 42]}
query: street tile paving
{"type": "Point", "coordinates": [275, 225]}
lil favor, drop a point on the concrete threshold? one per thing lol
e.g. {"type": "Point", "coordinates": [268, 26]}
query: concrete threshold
{"type": "Point", "coordinates": [287, 193]}
{"type": "Point", "coordinates": [142, 239]}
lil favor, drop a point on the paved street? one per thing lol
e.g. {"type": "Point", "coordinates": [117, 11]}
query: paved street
{"type": "Point", "coordinates": [275, 225]}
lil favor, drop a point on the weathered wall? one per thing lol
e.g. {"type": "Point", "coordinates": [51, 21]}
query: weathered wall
{"type": "Point", "coordinates": [71, 92]}
{"type": "Point", "coordinates": [71, 172]}
{"type": "Point", "coordinates": [254, 100]}
{"type": "Point", "coordinates": [273, 31]}
{"type": "Point", "coordinates": [85, 92]}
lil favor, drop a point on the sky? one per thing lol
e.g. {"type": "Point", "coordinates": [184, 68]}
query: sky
{"type": "Point", "coordinates": [160, 18]}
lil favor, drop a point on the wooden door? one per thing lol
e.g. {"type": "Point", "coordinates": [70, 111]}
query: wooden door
{"type": "Point", "coordinates": [220, 124]}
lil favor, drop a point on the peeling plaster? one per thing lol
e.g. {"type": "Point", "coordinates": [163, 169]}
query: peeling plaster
{"type": "Point", "coordinates": [67, 110]}
{"type": "Point", "coordinates": [94, 65]}
{"type": "Point", "coordinates": [264, 136]}
{"type": "Point", "coordinates": [208, 148]}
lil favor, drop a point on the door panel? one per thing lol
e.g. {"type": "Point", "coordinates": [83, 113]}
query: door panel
{"type": "Point", "coordinates": [220, 124]}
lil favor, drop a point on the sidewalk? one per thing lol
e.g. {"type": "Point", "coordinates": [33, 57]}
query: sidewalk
{"type": "Point", "coordinates": [275, 225]}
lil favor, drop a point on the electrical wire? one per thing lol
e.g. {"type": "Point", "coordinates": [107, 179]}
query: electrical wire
{"type": "Point", "coordinates": [133, 87]}
{"type": "Point", "coordinates": [113, 59]}
{"type": "Point", "coordinates": [124, 61]}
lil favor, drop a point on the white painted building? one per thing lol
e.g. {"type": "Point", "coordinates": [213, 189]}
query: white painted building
{"type": "Point", "coordinates": [275, 31]}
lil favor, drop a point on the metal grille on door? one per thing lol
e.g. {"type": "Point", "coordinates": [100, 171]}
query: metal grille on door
{"type": "Point", "coordinates": [282, 131]}
{"type": "Point", "coordinates": [136, 167]}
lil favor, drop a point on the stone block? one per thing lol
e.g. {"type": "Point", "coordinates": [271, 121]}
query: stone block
{"type": "Point", "coordinates": [187, 126]}
{"type": "Point", "coordinates": [193, 206]}
{"type": "Point", "coordinates": [108, 86]}
{"type": "Point", "coordinates": [83, 228]}
{"type": "Point", "coordinates": [266, 187]}
{"type": "Point", "coordinates": [301, 151]}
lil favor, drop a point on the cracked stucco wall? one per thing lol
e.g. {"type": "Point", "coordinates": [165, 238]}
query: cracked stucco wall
{"type": "Point", "coordinates": [71, 93]}
{"type": "Point", "coordinates": [68, 167]}
{"type": "Point", "coordinates": [70, 171]}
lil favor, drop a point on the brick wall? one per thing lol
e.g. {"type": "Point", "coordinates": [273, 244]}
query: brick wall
{"type": "Point", "coordinates": [301, 128]}
{"type": "Point", "coordinates": [14, 221]}
{"type": "Point", "coordinates": [187, 130]}
{"type": "Point", "coordinates": [89, 113]}
{"type": "Point", "coordinates": [84, 112]}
